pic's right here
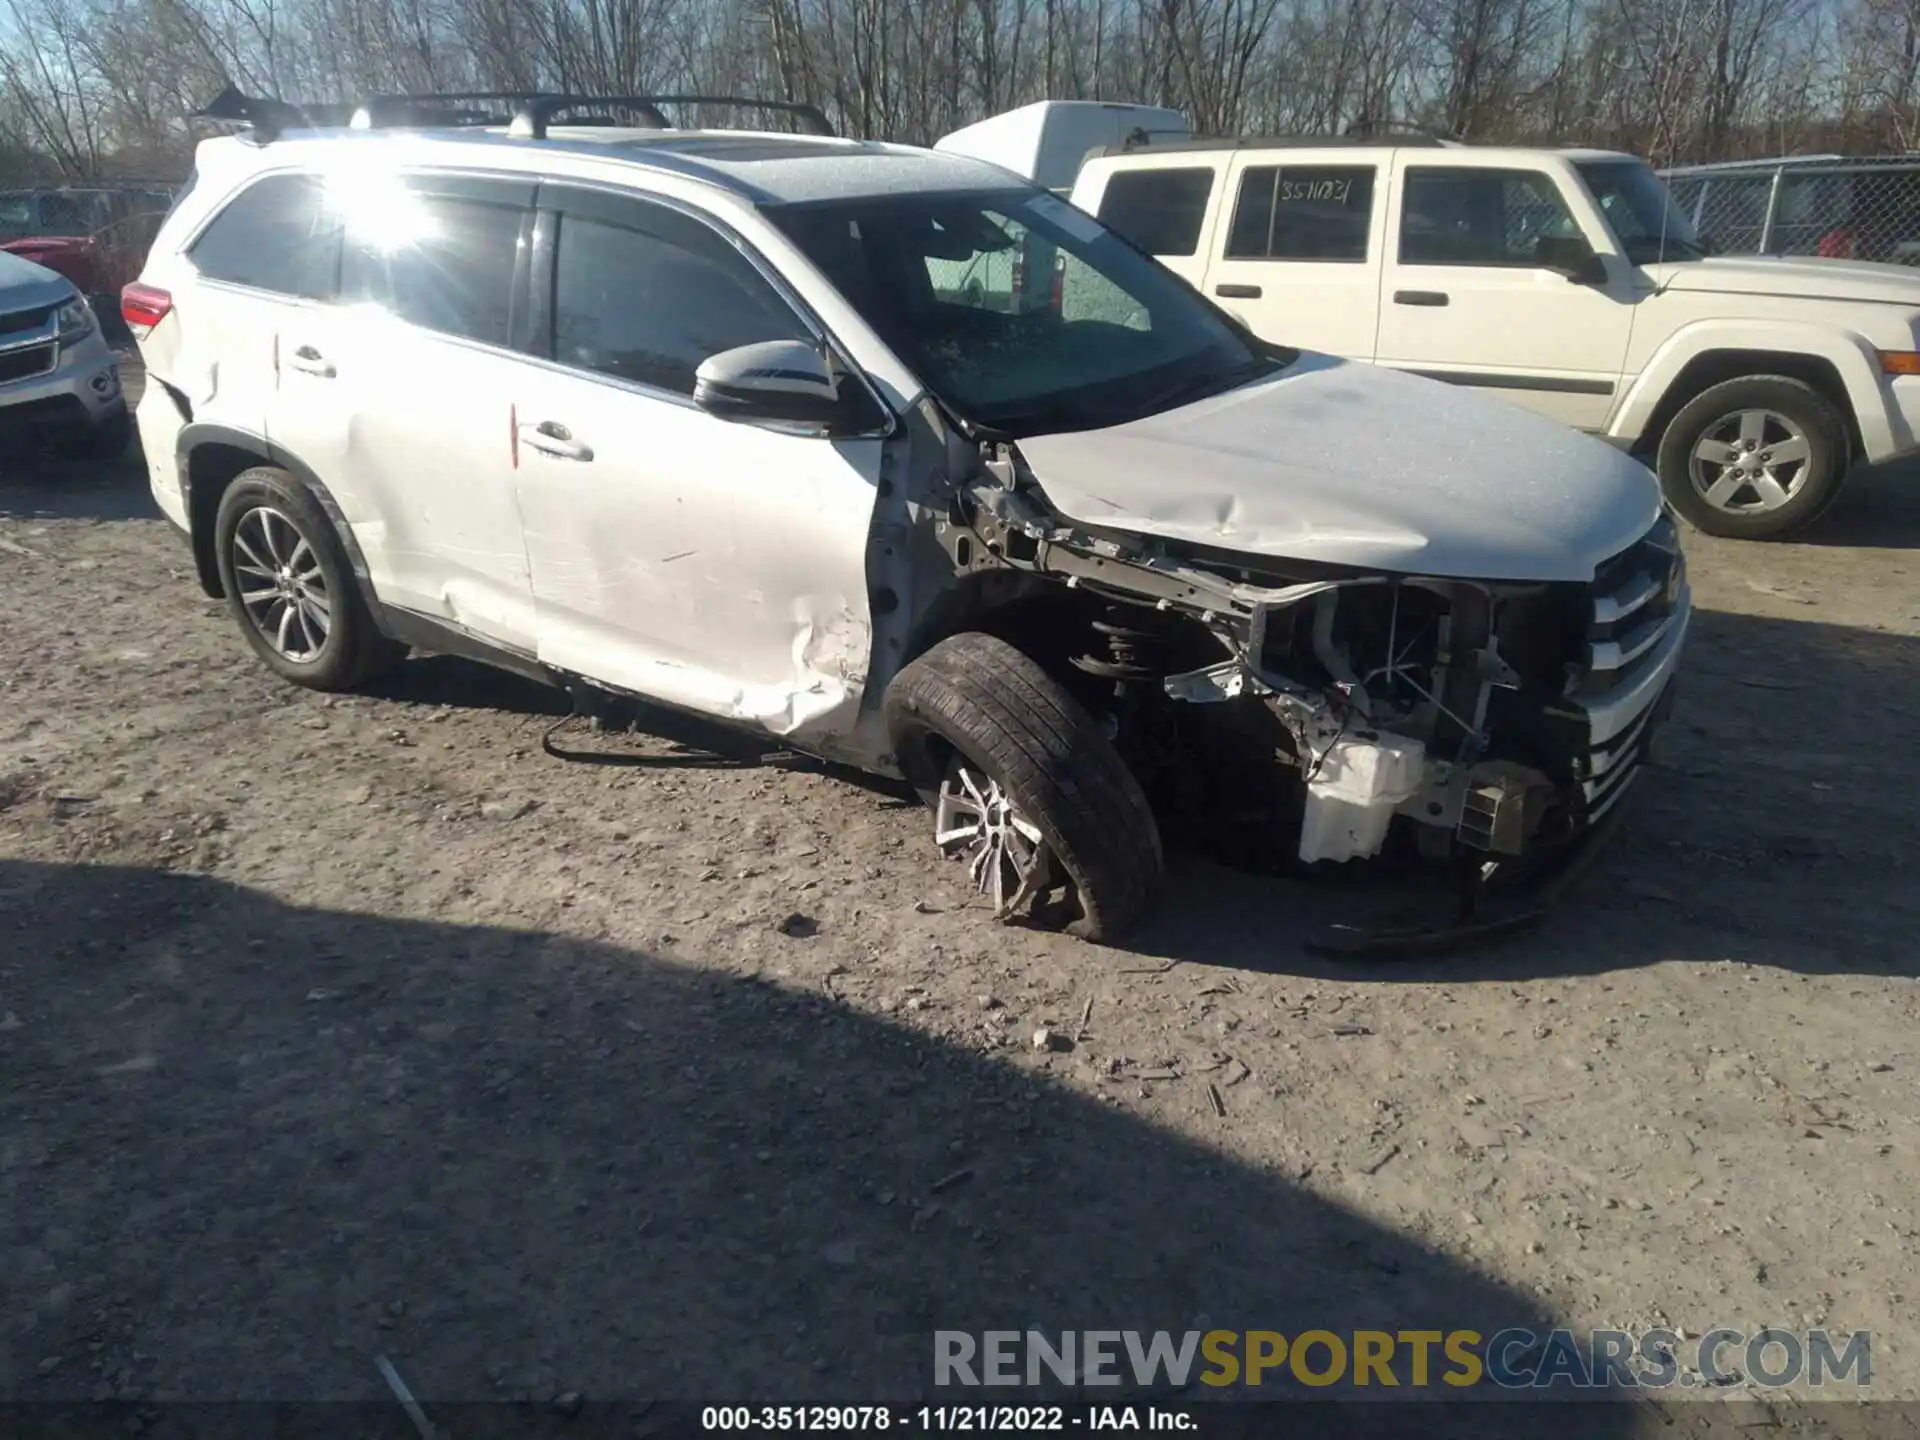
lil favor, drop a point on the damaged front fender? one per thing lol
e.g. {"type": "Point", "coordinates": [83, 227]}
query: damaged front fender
{"type": "Point", "coordinates": [1438, 702]}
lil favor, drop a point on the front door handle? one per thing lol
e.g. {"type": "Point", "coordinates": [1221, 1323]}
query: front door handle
{"type": "Point", "coordinates": [1237, 292]}
{"type": "Point", "coordinates": [550, 437]}
{"type": "Point", "coordinates": [1420, 297]}
{"type": "Point", "coordinates": [309, 361]}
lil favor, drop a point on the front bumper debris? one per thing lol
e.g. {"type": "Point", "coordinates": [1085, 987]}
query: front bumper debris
{"type": "Point", "coordinates": [1495, 898]}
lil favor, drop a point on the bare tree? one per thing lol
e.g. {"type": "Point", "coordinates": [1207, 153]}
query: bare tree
{"type": "Point", "coordinates": [87, 84]}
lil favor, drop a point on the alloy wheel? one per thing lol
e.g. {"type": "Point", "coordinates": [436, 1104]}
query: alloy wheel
{"type": "Point", "coordinates": [281, 584]}
{"type": "Point", "coordinates": [1750, 461]}
{"type": "Point", "coordinates": [976, 819]}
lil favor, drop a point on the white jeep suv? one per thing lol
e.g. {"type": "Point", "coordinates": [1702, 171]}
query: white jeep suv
{"type": "Point", "coordinates": [683, 415]}
{"type": "Point", "coordinates": [1562, 280]}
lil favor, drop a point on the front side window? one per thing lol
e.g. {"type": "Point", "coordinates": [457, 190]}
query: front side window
{"type": "Point", "coordinates": [278, 234]}
{"type": "Point", "coordinates": [1645, 219]}
{"type": "Point", "coordinates": [1302, 212]}
{"type": "Point", "coordinates": [1462, 216]}
{"type": "Point", "coordinates": [1096, 334]}
{"type": "Point", "coordinates": [441, 262]}
{"type": "Point", "coordinates": [1159, 209]}
{"type": "Point", "coordinates": [651, 297]}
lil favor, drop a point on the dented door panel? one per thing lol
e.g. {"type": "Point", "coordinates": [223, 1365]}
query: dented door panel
{"type": "Point", "coordinates": [705, 564]}
{"type": "Point", "coordinates": [437, 518]}
{"type": "Point", "coordinates": [432, 282]}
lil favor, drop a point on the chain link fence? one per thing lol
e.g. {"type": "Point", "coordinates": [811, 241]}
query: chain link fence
{"type": "Point", "coordinates": [1823, 206]}
{"type": "Point", "coordinates": [79, 210]}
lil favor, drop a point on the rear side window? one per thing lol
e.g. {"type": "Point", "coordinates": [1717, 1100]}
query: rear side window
{"type": "Point", "coordinates": [1302, 212]}
{"type": "Point", "coordinates": [651, 295]}
{"type": "Point", "coordinates": [452, 270]}
{"type": "Point", "coordinates": [277, 235]}
{"type": "Point", "coordinates": [1159, 210]}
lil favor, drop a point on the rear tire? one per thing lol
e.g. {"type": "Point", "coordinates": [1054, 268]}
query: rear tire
{"type": "Point", "coordinates": [976, 700]}
{"type": "Point", "coordinates": [1756, 458]}
{"type": "Point", "coordinates": [290, 588]}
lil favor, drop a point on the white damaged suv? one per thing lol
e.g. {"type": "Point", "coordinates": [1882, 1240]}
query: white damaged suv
{"type": "Point", "coordinates": [688, 416]}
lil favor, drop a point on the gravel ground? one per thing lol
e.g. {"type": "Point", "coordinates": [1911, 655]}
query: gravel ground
{"type": "Point", "coordinates": [340, 1027]}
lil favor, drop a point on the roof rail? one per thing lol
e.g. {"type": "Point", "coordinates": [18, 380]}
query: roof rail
{"type": "Point", "coordinates": [538, 113]}
{"type": "Point", "coordinates": [1277, 142]}
{"type": "Point", "coordinates": [266, 117]}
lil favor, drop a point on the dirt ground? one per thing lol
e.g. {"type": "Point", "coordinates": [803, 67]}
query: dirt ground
{"type": "Point", "coordinates": [332, 1028]}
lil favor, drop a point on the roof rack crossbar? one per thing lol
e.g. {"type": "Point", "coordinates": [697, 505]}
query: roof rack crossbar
{"type": "Point", "coordinates": [526, 113]}
{"type": "Point", "coordinates": [441, 108]}
{"type": "Point", "coordinates": [533, 118]}
{"type": "Point", "coordinates": [266, 117]}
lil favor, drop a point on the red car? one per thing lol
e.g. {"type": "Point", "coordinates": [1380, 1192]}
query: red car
{"type": "Point", "coordinates": [96, 236]}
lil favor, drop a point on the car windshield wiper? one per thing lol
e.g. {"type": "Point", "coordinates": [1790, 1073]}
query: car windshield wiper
{"type": "Point", "coordinates": [1203, 387]}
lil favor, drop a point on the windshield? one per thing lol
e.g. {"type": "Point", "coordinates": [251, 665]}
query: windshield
{"type": "Point", "coordinates": [1023, 314]}
{"type": "Point", "coordinates": [1644, 219]}
{"type": "Point", "coordinates": [18, 216]}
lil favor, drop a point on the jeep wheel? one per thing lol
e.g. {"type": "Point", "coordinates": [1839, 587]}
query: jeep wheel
{"type": "Point", "coordinates": [289, 585]}
{"type": "Point", "coordinates": [1025, 787]}
{"type": "Point", "coordinates": [1755, 458]}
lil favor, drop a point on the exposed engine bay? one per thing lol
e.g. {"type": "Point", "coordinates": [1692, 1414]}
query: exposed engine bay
{"type": "Point", "coordinates": [1298, 714]}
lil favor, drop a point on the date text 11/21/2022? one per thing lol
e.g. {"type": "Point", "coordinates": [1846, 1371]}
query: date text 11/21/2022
{"type": "Point", "coordinates": [944, 1418]}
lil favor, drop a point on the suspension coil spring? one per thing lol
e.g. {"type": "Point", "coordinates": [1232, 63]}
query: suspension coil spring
{"type": "Point", "coordinates": [1129, 650]}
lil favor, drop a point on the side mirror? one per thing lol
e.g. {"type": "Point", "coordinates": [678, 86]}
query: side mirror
{"type": "Point", "coordinates": [773, 380]}
{"type": "Point", "coordinates": [1573, 257]}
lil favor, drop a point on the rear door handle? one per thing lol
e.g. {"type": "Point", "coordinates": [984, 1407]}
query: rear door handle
{"type": "Point", "coordinates": [550, 437]}
{"type": "Point", "coordinates": [1420, 297]}
{"type": "Point", "coordinates": [309, 361]}
{"type": "Point", "coordinates": [1237, 292]}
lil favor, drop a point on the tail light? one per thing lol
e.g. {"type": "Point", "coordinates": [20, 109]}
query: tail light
{"type": "Point", "coordinates": [1058, 298]}
{"type": "Point", "coordinates": [1019, 277]}
{"type": "Point", "coordinates": [143, 307]}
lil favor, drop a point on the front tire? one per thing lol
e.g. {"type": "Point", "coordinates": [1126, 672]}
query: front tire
{"type": "Point", "coordinates": [290, 588]}
{"type": "Point", "coordinates": [1026, 786]}
{"type": "Point", "coordinates": [1755, 458]}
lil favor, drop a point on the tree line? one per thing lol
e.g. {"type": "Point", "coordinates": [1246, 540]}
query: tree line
{"type": "Point", "coordinates": [92, 88]}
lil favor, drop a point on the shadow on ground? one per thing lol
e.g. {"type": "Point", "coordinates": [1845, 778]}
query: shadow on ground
{"type": "Point", "coordinates": [1879, 509]}
{"type": "Point", "coordinates": [467, 685]}
{"type": "Point", "coordinates": [48, 488]}
{"type": "Point", "coordinates": [248, 1147]}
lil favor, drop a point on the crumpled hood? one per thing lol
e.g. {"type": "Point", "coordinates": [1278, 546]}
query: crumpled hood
{"type": "Point", "coordinates": [1354, 464]}
{"type": "Point", "coordinates": [1791, 277]}
{"type": "Point", "coordinates": [24, 285]}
